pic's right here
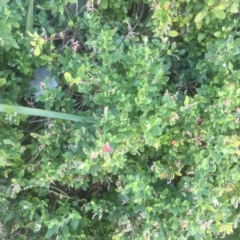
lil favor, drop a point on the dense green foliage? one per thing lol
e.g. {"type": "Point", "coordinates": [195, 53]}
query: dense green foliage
{"type": "Point", "coordinates": [161, 158]}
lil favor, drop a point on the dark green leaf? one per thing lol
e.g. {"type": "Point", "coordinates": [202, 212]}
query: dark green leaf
{"type": "Point", "coordinates": [9, 216]}
{"type": "Point", "coordinates": [74, 223]}
{"type": "Point", "coordinates": [51, 231]}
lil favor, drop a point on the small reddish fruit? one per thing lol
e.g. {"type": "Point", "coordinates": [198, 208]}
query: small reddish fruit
{"type": "Point", "coordinates": [106, 148]}
{"type": "Point", "coordinates": [166, 6]}
{"type": "Point", "coordinates": [199, 120]}
{"type": "Point", "coordinates": [164, 175]}
{"type": "Point", "coordinates": [174, 142]}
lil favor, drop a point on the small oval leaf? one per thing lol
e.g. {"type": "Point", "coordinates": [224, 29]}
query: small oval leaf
{"type": "Point", "coordinates": [37, 51]}
{"type": "Point", "coordinates": [67, 76]}
{"type": "Point", "coordinates": [173, 33]}
{"type": "Point", "coordinates": [2, 81]}
{"type": "Point", "coordinates": [199, 17]}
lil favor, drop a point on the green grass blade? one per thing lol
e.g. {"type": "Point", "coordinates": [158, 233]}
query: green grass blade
{"type": "Point", "coordinates": [43, 113]}
{"type": "Point", "coordinates": [29, 20]}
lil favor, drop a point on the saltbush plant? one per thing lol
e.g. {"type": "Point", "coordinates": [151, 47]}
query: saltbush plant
{"type": "Point", "coordinates": [158, 157]}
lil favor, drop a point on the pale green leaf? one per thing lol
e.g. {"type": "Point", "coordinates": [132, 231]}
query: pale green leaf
{"type": "Point", "coordinates": [67, 76]}
{"type": "Point", "coordinates": [199, 17]}
{"type": "Point", "coordinates": [199, 24]}
{"type": "Point", "coordinates": [37, 51]}
{"type": "Point", "coordinates": [218, 34]}
{"type": "Point", "coordinates": [2, 81]}
{"type": "Point", "coordinates": [148, 138]}
{"type": "Point", "coordinates": [2, 153]}
{"type": "Point", "coordinates": [8, 142]}
{"type": "Point", "coordinates": [233, 8]}
{"type": "Point", "coordinates": [173, 33]}
{"type": "Point", "coordinates": [3, 2]}
{"type": "Point", "coordinates": [230, 66]}
{"type": "Point", "coordinates": [165, 192]}
{"type": "Point", "coordinates": [236, 43]}
{"type": "Point", "coordinates": [210, 2]}
{"type": "Point", "coordinates": [219, 14]}
{"type": "Point", "coordinates": [187, 100]}
{"type": "Point", "coordinates": [72, 1]}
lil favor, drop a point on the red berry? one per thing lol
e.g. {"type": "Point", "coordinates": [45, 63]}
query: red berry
{"type": "Point", "coordinates": [106, 148]}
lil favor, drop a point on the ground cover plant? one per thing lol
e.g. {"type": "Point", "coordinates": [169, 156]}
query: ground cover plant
{"type": "Point", "coordinates": [140, 138]}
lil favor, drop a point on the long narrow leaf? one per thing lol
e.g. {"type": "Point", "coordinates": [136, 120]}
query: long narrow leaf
{"type": "Point", "coordinates": [29, 20]}
{"type": "Point", "coordinates": [43, 113]}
